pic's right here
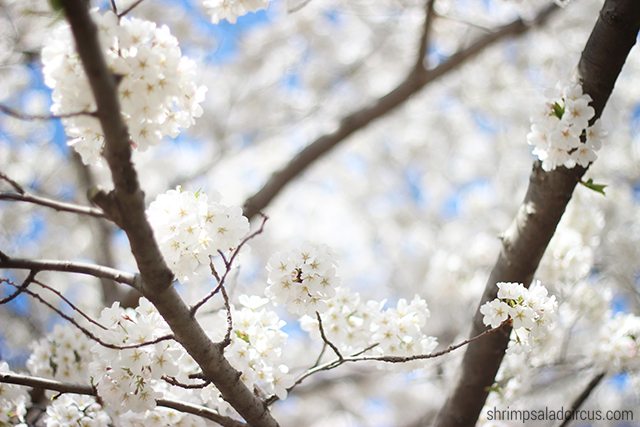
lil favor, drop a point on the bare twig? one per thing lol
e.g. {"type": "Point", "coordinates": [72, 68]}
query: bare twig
{"type": "Point", "coordinates": [63, 388]}
{"type": "Point", "coordinates": [13, 183]}
{"type": "Point", "coordinates": [87, 332]}
{"type": "Point", "coordinates": [227, 306]}
{"type": "Point", "coordinates": [130, 8]}
{"type": "Point", "coordinates": [326, 340]}
{"type": "Point", "coordinates": [19, 289]}
{"type": "Point", "coordinates": [69, 267]}
{"type": "Point", "coordinates": [298, 6]}
{"type": "Point", "coordinates": [30, 117]}
{"type": "Point", "coordinates": [357, 357]}
{"type": "Point", "coordinates": [69, 303]}
{"type": "Point", "coordinates": [584, 395]}
{"type": "Point", "coordinates": [228, 265]}
{"type": "Point", "coordinates": [425, 37]}
{"type": "Point", "coordinates": [175, 382]}
{"type": "Point", "coordinates": [51, 203]}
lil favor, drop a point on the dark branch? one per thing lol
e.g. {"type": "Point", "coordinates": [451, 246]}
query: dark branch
{"type": "Point", "coordinates": [416, 80]}
{"type": "Point", "coordinates": [425, 37]}
{"type": "Point", "coordinates": [90, 335]}
{"type": "Point", "coordinates": [13, 183]}
{"type": "Point", "coordinates": [128, 206]}
{"type": "Point", "coordinates": [584, 395]}
{"type": "Point", "coordinates": [69, 267]}
{"type": "Point", "coordinates": [130, 8]}
{"type": "Point", "coordinates": [326, 340]}
{"type": "Point", "coordinates": [51, 203]}
{"type": "Point", "coordinates": [31, 117]}
{"type": "Point", "coordinates": [548, 194]}
{"type": "Point", "coordinates": [60, 387]}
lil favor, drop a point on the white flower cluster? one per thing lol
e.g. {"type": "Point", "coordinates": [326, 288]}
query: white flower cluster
{"type": "Point", "coordinates": [302, 279]}
{"type": "Point", "coordinates": [157, 92]}
{"type": "Point", "coordinates": [232, 9]}
{"type": "Point", "coordinates": [619, 344]}
{"type": "Point", "coordinates": [13, 401]}
{"type": "Point", "coordinates": [353, 325]}
{"type": "Point", "coordinates": [531, 311]}
{"type": "Point", "coordinates": [557, 129]}
{"type": "Point", "coordinates": [74, 410]}
{"type": "Point", "coordinates": [126, 378]}
{"type": "Point", "coordinates": [161, 417]}
{"type": "Point", "coordinates": [256, 345]}
{"type": "Point", "coordinates": [64, 354]}
{"type": "Point", "coordinates": [190, 227]}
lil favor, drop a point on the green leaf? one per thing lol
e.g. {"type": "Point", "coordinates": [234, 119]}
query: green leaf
{"type": "Point", "coordinates": [558, 110]}
{"type": "Point", "coordinates": [598, 188]}
{"type": "Point", "coordinates": [243, 336]}
{"type": "Point", "coordinates": [56, 5]}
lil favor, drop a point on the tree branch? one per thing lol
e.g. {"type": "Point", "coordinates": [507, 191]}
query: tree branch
{"type": "Point", "coordinates": [51, 203]}
{"type": "Point", "coordinates": [423, 45]}
{"type": "Point", "coordinates": [357, 357]}
{"type": "Point", "coordinates": [584, 395]}
{"type": "Point", "coordinates": [53, 385]}
{"type": "Point", "coordinates": [33, 117]}
{"type": "Point", "coordinates": [416, 80]}
{"type": "Point", "coordinates": [127, 200]}
{"type": "Point", "coordinates": [524, 243]}
{"type": "Point", "coordinates": [68, 267]}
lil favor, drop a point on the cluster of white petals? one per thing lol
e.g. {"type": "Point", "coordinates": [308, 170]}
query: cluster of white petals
{"type": "Point", "coordinates": [353, 325]}
{"type": "Point", "coordinates": [64, 354]}
{"type": "Point", "coordinates": [189, 227]}
{"type": "Point", "coordinates": [13, 401]}
{"type": "Point", "coordinates": [127, 379]}
{"type": "Point", "coordinates": [531, 311]}
{"type": "Point", "coordinates": [558, 128]}
{"type": "Point", "coordinates": [76, 410]}
{"type": "Point", "coordinates": [256, 345]}
{"type": "Point", "coordinates": [161, 417]}
{"type": "Point", "coordinates": [302, 279]}
{"type": "Point", "coordinates": [619, 343]}
{"type": "Point", "coordinates": [231, 10]}
{"type": "Point", "coordinates": [157, 90]}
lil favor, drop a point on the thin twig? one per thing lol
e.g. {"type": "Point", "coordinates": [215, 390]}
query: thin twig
{"type": "Point", "coordinates": [51, 203]}
{"type": "Point", "coordinates": [69, 267]}
{"type": "Point", "coordinates": [228, 264]}
{"type": "Point", "coordinates": [298, 6]}
{"type": "Point", "coordinates": [19, 289]}
{"type": "Point", "coordinates": [357, 357]}
{"type": "Point", "coordinates": [13, 183]}
{"type": "Point", "coordinates": [130, 8]}
{"type": "Point", "coordinates": [425, 37]}
{"type": "Point", "coordinates": [326, 340]}
{"type": "Point", "coordinates": [87, 332]}
{"type": "Point", "coordinates": [579, 401]}
{"type": "Point", "coordinates": [87, 390]}
{"type": "Point", "coordinates": [114, 7]}
{"type": "Point", "coordinates": [319, 358]}
{"type": "Point", "coordinates": [30, 117]}
{"type": "Point", "coordinates": [227, 336]}
{"type": "Point", "coordinates": [175, 382]}
{"type": "Point", "coordinates": [69, 303]}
